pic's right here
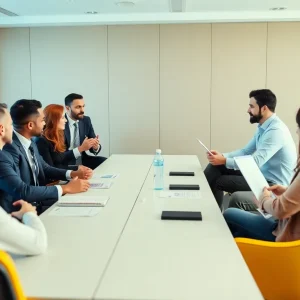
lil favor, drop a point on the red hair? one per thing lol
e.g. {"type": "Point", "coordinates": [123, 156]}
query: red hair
{"type": "Point", "coordinates": [53, 113]}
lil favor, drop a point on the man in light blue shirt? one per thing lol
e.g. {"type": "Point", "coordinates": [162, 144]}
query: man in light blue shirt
{"type": "Point", "coordinates": [272, 148]}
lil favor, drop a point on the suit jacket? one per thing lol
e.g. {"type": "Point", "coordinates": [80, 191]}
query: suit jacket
{"type": "Point", "coordinates": [13, 188]}
{"type": "Point", "coordinates": [53, 158]}
{"type": "Point", "coordinates": [46, 172]}
{"type": "Point", "coordinates": [85, 130]}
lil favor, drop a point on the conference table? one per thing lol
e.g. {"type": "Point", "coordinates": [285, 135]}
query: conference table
{"type": "Point", "coordinates": [127, 252]}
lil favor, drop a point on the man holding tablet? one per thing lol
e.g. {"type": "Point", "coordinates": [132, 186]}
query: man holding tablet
{"type": "Point", "coordinates": [272, 148]}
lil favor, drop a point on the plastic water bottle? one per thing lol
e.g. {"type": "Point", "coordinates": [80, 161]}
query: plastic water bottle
{"type": "Point", "coordinates": [158, 165]}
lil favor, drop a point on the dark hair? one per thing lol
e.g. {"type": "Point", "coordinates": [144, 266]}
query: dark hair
{"type": "Point", "coordinates": [70, 98]}
{"type": "Point", "coordinates": [3, 107]}
{"type": "Point", "coordinates": [297, 169]}
{"type": "Point", "coordinates": [264, 97]}
{"type": "Point", "coordinates": [22, 110]}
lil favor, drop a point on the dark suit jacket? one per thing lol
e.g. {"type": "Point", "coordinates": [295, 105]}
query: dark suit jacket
{"type": "Point", "coordinates": [53, 158]}
{"type": "Point", "coordinates": [46, 173]}
{"type": "Point", "coordinates": [12, 187]}
{"type": "Point", "coordinates": [85, 130]}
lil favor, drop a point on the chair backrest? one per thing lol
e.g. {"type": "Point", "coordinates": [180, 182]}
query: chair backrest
{"type": "Point", "coordinates": [10, 287]}
{"type": "Point", "coordinates": [274, 266]}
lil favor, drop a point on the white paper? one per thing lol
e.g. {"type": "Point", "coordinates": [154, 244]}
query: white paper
{"type": "Point", "coordinates": [83, 201]}
{"type": "Point", "coordinates": [180, 194]}
{"type": "Point", "coordinates": [109, 176]}
{"type": "Point", "coordinates": [100, 185]}
{"type": "Point", "coordinates": [265, 215]}
{"type": "Point", "coordinates": [75, 211]}
{"type": "Point", "coordinates": [204, 147]}
{"type": "Point", "coordinates": [252, 174]}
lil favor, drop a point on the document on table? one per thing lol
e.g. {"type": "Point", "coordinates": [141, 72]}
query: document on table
{"type": "Point", "coordinates": [180, 194]}
{"type": "Point", "coordinates": [83, 201]}
{"type": "Point", "coordinates": [75, 211]}
{"type": "Point", "coordinates": [108, 176]}
{"type": "Point", "coordinates": [253, 176]}
{"type": "Point", "coordinates": [100, 185]}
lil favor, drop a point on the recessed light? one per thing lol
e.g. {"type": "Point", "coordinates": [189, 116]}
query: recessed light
{"type": "Point", "coordinates": [91, 12]}
{"type": "Point", "coordinates": [125, 3]}
{"type": "Point", "coordinates": [278, 8]}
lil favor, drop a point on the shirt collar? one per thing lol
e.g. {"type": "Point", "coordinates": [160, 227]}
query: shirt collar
{"type": "Point", "coordinates": [71, 121]}
{"type": "Point", "coordinates": [266, 124]}
{"type": "Point", "coordinates": [23, 140]}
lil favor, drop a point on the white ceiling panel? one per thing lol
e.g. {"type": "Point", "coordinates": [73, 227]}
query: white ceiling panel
{"type": "Point", "coordinates": [108, 12]}
{"type": "Point", "coordinates": [75, 7]}
{"type": "Point", "coordinates": [240, 5]}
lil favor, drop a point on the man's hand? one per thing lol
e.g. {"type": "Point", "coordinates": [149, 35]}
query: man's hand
{"type": "Point", "coordinates": [25, 207]}
{"type": "Point", "coordinates": [82, 173]}
{"type": "Point", "coordinates": [216, 159]}
{"type": "Point", "coordinates": [86, 145]}
{"type": "Point", "coordinates": [75, 186]}
{"type": "Point", "coordinates": [96, 143]}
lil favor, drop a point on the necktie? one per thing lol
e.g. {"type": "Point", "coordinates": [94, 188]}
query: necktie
{"type": "Point", "coordinates": [76, 142]}
{"type": "Point", "coordinates": [35, 165]}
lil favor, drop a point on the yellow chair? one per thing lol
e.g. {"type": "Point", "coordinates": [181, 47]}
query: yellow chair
{"type": "Point", "coordinates": [274, 266]}
{"type": "Point", "coordinates": [10, 287]}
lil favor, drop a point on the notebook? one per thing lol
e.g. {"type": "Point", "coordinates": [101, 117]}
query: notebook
{"type": "Point", "coordinates": [78, 200]}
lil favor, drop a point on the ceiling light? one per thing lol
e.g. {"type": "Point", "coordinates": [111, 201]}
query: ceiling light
{"type": "Point", "coordinates": [91, 12]}
{"type": "Point", "coordinates": [125, 3]}
{"type": "Point", "coordinates": [278, 8]}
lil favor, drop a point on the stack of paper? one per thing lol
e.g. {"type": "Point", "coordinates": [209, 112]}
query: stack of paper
{"type": "Point", "coordinates": [101, 185]}
{"type": "Point", "coordinates": [180, 194]}
{"type": "Point", "coordinates": [108, 176]}
{"type": "Point", "coordinates": [59, 211]}
{"type": "Point", "coordinates": [79, 200]}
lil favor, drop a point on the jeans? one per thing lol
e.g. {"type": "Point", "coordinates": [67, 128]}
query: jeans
{"type": "Point", "coordinates": [247, 225]}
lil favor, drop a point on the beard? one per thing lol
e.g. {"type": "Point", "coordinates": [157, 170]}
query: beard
{"type": "Point", "coordinates": [38, 133]}
{"type": "Point", "coordinates": [255, 118]}
{"type": "Point", "coordinates": [77, 116]}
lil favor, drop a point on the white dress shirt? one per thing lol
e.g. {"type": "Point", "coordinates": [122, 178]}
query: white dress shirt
{"type": "Point", "coordinates": [26, 144]}
{"type": "Point", "coordinates": [71, 123]}
{"type": "Point", "coordinates": [29, 238]}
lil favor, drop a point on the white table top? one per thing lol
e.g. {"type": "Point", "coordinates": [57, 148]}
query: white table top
{"type": "Point", "coordinates": [157, 259]}
{"type": "Point", "coordinates": [80, 248]}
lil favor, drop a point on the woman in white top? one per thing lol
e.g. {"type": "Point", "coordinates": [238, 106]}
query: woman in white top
{"type": "Point", "coordinates": [28, 237]}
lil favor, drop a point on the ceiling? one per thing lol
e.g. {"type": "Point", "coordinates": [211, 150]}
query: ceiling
{"type": "Point", "coordinates": [74, 12]}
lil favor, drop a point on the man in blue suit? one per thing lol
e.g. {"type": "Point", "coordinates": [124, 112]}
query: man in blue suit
{"type": "Point", "coordinates": [24, 173]}
{"type": "Point", "coordinates": [79, 129]}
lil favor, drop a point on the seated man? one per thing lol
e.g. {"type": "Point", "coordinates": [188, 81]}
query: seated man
{"type": "Point", "coordinates": [272, 148]}
{"type": "Point", "coordinates": [78, 128]}
{"type": "Point", "coordinates": [23, 171]}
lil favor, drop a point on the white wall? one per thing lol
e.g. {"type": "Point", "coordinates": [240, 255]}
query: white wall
{"type": "Point", "coordinates": [15, 78]}
{"type": "Point", "coordinates": [133, 53]}
{"type": "Point", "coordinates": [149, 86]}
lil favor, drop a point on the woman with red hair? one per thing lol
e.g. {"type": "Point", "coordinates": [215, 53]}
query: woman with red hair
{"type": "Point", "coordinates": [51, 144]}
